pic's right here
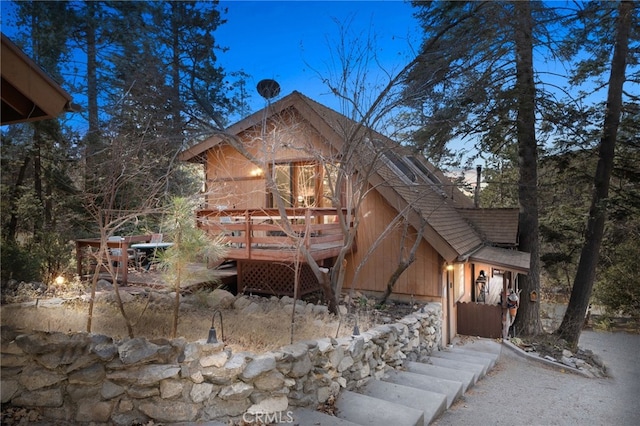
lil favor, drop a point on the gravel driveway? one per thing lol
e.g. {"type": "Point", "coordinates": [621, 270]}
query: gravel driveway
{"type": "Point", "coordinates": [523, 392]}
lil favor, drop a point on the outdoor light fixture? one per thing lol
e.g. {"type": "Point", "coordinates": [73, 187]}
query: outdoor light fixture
{"type": "Point", "coordinates": [482, 278]}
{"type": "Point", "coordinates": [59, 280]}
{"type": "Point", "coordinates": [356, 329]}
{"type": "Point", "coordinates": [449, 267]}
{"type": "Point", "coordinates": [257, 172]}
{"type": "Point", "coordinates": [212, 331]}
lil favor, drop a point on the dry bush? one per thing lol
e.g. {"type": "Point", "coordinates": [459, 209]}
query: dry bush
{"type": "Point", "coordinates": [256, 332]}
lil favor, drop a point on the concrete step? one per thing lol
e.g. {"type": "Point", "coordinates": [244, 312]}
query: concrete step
{"type": "Point", "coordinates": [370, 411]}
{"type": "Point", "coordinates": [477, 369]}
{"type": "Point", "coordinates": [493, 358]}
{"type": "Point", "coordinates": [451, 388]}
{"type": "Point", "coordinates": [470, 359]}
{"type": "Point", "coordinates": [416, 396]}
{"type": "Point", "coordinates": [306, 416]}
{"type": "Point", "coordinates": [481, 345]}
{"type": "Point", "coordinates": [432, 404]}
{"type": "Point", "coordinates": [467, 378]}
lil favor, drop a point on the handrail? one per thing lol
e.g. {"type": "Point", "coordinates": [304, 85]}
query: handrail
{"type": "Point", "coordinates": [248, 229]}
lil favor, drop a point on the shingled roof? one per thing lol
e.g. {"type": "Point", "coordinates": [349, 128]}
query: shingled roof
{"type": "Point", "coordinates": [500, 226]}
{"type": "Point", "coordinates": [429, 193]}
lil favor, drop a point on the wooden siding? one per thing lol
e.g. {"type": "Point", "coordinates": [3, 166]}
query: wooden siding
{"type": "Point", "coordinates": [420, 279]}
{"type": "Point", "coordinates": [234, 182]}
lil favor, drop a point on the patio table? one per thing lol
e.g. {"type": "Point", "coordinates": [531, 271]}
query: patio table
{"type": "Point", "coordinates": [150, 250]}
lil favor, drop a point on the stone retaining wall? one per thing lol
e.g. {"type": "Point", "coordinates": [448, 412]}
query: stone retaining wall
{"type": "Point", "coordinates": [92, 378]}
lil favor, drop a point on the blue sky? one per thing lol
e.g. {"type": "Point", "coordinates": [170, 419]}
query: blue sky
{"type": "Point", "coordinates": [291, 41]}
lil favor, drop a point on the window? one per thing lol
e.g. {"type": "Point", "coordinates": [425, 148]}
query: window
{"type": "Point", "coordinates": [329, 181]}
{"type": "Point", "coordinates": [426, 175]}
{"type": "Point", "coordinates": [429, 177]}
{"type": "Point", "coordinates": [298, 184]}
{"type": "Point", "coordinates": [404, 170]}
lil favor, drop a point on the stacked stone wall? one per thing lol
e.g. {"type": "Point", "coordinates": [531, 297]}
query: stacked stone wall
{"type": "Point", "coordinates": [83, 378]}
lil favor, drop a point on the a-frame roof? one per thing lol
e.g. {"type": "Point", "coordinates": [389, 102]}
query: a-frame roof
{"type": "Point", "coordinates": [433, 199]}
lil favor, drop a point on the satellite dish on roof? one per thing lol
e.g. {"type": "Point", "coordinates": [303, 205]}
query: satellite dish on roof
{"type": "Point", "coordinates": [268, 88]}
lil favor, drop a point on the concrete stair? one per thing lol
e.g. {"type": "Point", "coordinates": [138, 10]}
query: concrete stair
{"type": "Point", "coordinates": [415, 395]}
{"type": "Point", "coordinates": [466, 378]}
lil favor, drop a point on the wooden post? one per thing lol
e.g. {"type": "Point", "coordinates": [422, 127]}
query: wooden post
{"type": "Point", "coordinates": [124, 264]}
{"type": "Point", "coordinates": [503, 305]}
{"type": "Point", "coordinates": [307, 225]}
{"type": "Point", "coordinates": [247, 233]}
{"type": "Point", "coordinates": [79, 259]}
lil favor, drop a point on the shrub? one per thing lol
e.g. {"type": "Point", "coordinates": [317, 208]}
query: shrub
{"type": "Point", "coordinates": [617, 288]}
{"type": "Point", "coordinates": [19, 262]}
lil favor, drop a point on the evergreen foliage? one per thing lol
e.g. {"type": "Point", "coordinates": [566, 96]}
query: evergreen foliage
{"type": "Point", "coordinates": [146, 76]}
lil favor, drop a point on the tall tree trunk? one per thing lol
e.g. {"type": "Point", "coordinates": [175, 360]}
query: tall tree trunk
{"type": "Point", "coordinates": [585, 275]}
{"type": "Point", "coordinates": [93, 135]}
{"type": "Point", "coordinates": [528, 319]}
{"type": "Point", "coordinates": [37, 142]}
{"type": "Point", "coordinates": [37, 177]}
{"type": "Point", "coordinates": [12, 227]}
{"type": "Point", "coordinates": [177, 285]}
{"type": "Point", "coordinates": [177, 12]}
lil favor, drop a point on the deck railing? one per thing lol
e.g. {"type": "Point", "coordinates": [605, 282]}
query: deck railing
{"type": "Point", "coordinates": [246, 232]}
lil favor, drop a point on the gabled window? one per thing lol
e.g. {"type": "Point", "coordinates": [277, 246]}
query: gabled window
{"type": "Point", "coordinates": [425, 174]}
{"type": "Point", "coordinates": [301, 184]}
{"type": "Point", "coordinates": [403, 170]}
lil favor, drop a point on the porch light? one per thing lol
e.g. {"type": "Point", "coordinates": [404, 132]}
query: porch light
{"type": "Point", "coordinates": [213, 338]}
{"type": "Point", "coordinates": [482, 278]}
{"type": "Point", "coordinates": [256, 172]}
{"type": "Point", "coordinates": [449, 267]}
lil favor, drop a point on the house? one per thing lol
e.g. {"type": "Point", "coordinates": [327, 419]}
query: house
{"type": "Point", "coordinates": [464, 255]}
{"type": "Point", "coordinates": [28, 93]}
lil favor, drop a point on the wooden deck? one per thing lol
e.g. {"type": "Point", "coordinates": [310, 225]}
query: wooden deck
{"type": "Point", "coordinates": [264, 235]}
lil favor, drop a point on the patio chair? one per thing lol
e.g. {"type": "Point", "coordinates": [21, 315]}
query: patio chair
{"type": "Point", "coordinates": [148, 258]}
{"type": "Point", "coordinates": [132, 255]}
{"type": "Point", "coordinates": [115, 251]}
{"type": "Point", "coordinates": [135, 258]}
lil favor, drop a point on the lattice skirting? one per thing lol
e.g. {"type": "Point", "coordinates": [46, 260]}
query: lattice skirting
{"type": "Point", "coordinates": [274, 278]}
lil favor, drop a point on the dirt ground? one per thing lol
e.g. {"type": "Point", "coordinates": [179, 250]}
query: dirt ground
{"type": "Point", "coordinates": [523, 392]}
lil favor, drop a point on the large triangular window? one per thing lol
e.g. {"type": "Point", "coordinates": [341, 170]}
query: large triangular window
{"type": "Point", "coordinates": [299, 184]}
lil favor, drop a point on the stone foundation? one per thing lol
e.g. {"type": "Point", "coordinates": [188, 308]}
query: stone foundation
{"type": "Point", "coordinates": [85, 378]}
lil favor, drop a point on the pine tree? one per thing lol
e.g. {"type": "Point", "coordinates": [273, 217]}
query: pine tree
{"type": "Point", "coordinates": [585, 275]}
